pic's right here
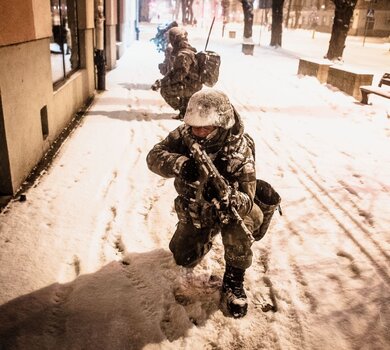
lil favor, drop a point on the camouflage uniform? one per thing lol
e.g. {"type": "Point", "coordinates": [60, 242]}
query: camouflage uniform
{"type": "Point", "coordinates": [166, 66]}
{"type": "Point", "coordinates": [182, 80]}
{"type": "Point", "coordinates": [231, 154]}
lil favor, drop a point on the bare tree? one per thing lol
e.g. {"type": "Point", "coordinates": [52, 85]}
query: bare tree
{"type": "Point", "coordinates": [225, 10]}
{"type": "Point", "coordinates": [225, 13]}
{"type": "Point", "coordinates": [288, 13]}
{"type": "Point", "coordinates": [247, 7]}
{"type": "Point", "coordinates": [277, 21]}
{"type": "Point", "coordinates": [298, 6]}
{"type": "Point", "coordinates": [187, 11]}
{"type": "Point", "coordinates": [341, 23]}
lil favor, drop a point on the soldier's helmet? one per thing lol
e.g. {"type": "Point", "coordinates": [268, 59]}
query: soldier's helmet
{"type": "Point", "coordinates": [209, 107]}
{"type": "Point", "coordinates": [177, 34]}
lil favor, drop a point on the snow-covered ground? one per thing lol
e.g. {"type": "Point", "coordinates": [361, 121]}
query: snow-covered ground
{"type": "Point", "coordinates": [85, 261]}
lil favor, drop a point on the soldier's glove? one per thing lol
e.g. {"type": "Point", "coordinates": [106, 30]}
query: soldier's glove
{"type": "Point", "coordinates": [189, 171]}
{"type": "Point", "coordinates": [156, 85]}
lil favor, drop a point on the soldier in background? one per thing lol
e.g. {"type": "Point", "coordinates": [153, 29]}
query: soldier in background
{"type": "Point", "coordinates": [166, 65]}
{"type": "Point", "coordinates": [182, 80]}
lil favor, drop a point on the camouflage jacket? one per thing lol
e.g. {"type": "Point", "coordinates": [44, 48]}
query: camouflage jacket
{"type": "Point", "coordinates": [231, 154]}
{"type": "Point", "coordinates": [166, 65]}
{"type": "Point", "coordinates": [183, 68]}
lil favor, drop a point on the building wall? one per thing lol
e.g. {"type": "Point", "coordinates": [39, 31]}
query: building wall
{"type": "Point", "coordinates": [110, 32]}
{"type": "Point", "coordinates": [125, 25]}
{"type": "Point", "coordinates": [26, 87]}
{"type": "Point", "coordinates": [380, 26]}
{"type": "Point", "coordinates": [10, 18]}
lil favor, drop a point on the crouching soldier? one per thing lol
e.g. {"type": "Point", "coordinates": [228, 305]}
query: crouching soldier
{"type": "Point", "coordinates": [181, 80]}
{"type": "Point", "coordinates": [212, 162]}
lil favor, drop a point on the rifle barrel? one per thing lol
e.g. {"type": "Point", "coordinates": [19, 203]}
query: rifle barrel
{"type": "Point", "coordinates": [208, 37]}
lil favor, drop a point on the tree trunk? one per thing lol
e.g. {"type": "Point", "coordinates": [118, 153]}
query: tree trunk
{"type": "Point", "coordinates": [298, 5]}
{"type": "Point", "coordinates": [225, 10]}
{"type": "Point", "coordinates": [288, 13]}
{"type": "Point", "coordinates": [341, 23]}
{"type": "Point", "coordinates": [247, 7]}
{"type": "Point", "coordinates": [277, 21]}
{"type": "Point", "coordinates": [187, 12]}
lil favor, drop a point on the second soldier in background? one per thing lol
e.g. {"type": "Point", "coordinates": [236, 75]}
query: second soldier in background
{"type": "Point", "coordinates": [182, 79]}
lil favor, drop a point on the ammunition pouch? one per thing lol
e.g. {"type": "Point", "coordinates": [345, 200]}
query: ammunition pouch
{"type": "Point", "coordinates": [268, 200]}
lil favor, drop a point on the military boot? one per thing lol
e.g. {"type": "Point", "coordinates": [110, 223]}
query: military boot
{"type": "Point", "coordinates": [233, 293]}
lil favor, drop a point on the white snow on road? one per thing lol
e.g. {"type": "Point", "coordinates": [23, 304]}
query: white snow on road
{"type": "Point", "coordinates": [85, 262]}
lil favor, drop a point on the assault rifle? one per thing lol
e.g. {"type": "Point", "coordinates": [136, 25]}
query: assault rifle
{"type": "Point", "coordinates": [209, 172]}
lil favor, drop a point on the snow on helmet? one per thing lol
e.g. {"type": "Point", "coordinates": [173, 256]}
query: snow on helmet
{"type": "Point", "coordinates": [209, 107]}
{"type": "Point", "coordinates": [177, 34]}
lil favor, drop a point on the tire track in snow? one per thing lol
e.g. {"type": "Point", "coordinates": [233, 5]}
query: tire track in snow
{"type": "Point", "coordinates": [384, 187]}
{"type": "Point", "coordinates": [297, 170]}
{"type": "Point", "coordinates": [366, 232]}
{"type": "Point", "coordinates": [351, 195]}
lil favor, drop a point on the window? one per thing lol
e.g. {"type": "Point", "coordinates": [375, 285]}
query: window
{"type": "Point", "coordinates": [64, 44]}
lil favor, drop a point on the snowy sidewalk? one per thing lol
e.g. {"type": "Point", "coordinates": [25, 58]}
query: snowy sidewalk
{"type": "Point", "coordinates": [85, 261]}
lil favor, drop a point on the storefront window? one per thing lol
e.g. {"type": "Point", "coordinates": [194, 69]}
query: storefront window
{"type": "Point", "coordinates": [64, 44]}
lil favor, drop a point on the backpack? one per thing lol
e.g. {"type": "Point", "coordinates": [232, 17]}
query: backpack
{"type": "Point", "coordinates": [208, 65]}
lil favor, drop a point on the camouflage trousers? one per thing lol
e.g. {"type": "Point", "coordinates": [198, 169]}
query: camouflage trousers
{"type": "Point", "coordinates": [190, 244]}
{"type": "Point", "coordinates": [178, 95]}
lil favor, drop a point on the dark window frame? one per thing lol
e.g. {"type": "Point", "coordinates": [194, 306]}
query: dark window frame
{"type": "Point", "coordinates": [61, 38]}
